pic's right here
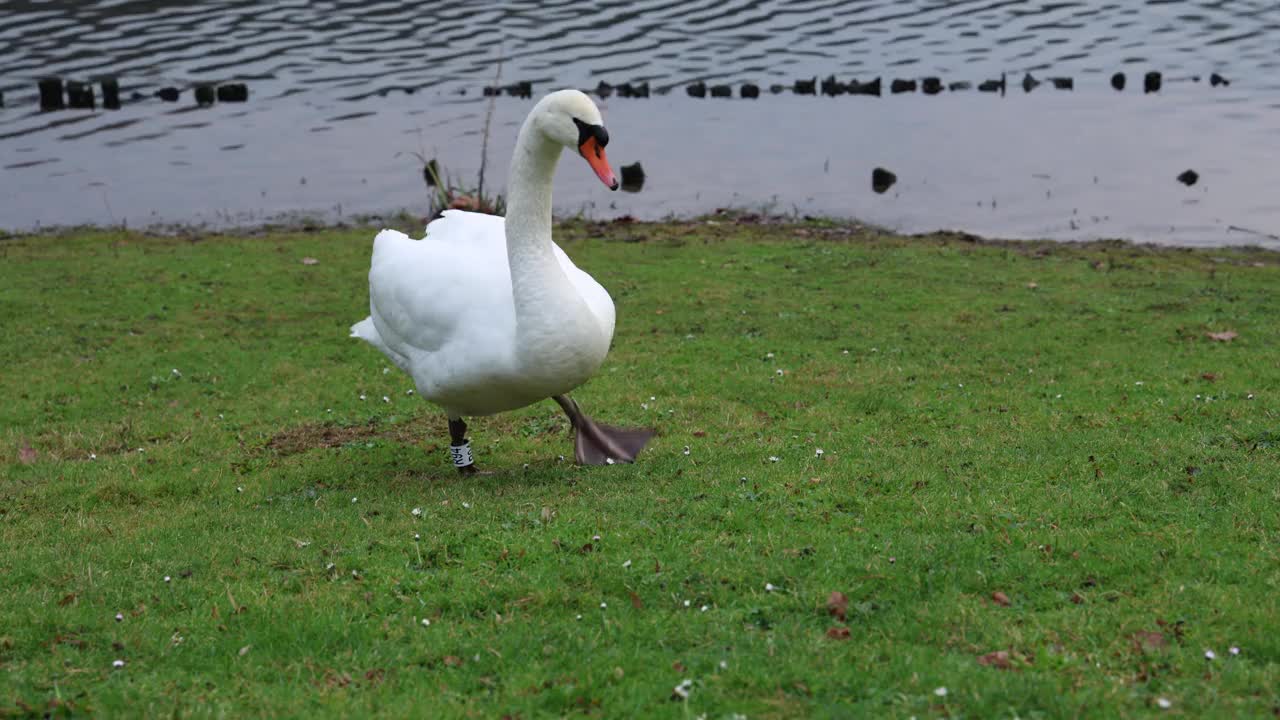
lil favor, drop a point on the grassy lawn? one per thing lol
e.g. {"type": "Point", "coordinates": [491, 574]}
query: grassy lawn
{"type": "Point", "coordinates": [1034, 478]}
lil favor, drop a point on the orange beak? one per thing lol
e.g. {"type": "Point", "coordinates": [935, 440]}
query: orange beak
{"type": "Point", "coordinates": [591, 150]}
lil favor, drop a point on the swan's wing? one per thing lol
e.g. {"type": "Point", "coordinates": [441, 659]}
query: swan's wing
{"type": "Point", "coordinates": [452, 285]}
{"type": "Point", "coordinates": [592, 292]}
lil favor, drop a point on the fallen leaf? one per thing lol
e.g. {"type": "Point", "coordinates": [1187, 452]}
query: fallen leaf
{"type": "Point", "coordinates": [636, 602]}
{"type": "Point", "coordinates": [26, 454]}
{"type": "Point", "coordinates": [837, 604]}
{"type": "Point", "coordinates": [1208, 376]}
{"type": "Point", "coordinates": [1001, 599]}
{"type": "Point", "coordinates": [1077, 598]}
{"type": "Point", "coordinates": [838, 633]}
{"type": "Point", "coordinates": [998, 659]}
{"type": "Point", "coordinates": [1224, 336]}
{"type": "Point", "coordinates": [452, 661]}
{"type": "Point", "coordinates": [678, 667]}
{"type": "Point", "coordinates": [1145, 641]}
{"type": "Point", "coordinates": [67, 600]}
{"type": "Point", "coordinates": [309, 261]}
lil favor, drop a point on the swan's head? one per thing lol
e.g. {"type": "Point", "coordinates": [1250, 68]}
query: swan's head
{"type": "Point", "coordinates": [569, 118]}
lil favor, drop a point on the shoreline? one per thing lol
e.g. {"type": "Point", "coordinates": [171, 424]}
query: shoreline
{"type": "Point", "coordinates": [797, 227]}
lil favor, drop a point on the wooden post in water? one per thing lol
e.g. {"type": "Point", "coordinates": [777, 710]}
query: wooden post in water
{"type": "Point", "coordinates": [111, 94]}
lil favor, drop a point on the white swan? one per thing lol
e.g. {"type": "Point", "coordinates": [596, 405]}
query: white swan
{"type": "Point", "coordinates": [489, 315]}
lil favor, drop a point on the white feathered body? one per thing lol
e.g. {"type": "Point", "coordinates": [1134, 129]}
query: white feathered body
{"type": "Point", "coordinates": [443, 310]}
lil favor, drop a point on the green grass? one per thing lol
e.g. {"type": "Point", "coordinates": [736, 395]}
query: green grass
{"type": "Point", "coordinates": [1079, 445]}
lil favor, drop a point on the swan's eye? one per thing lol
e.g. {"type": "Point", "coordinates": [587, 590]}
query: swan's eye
{"type": "Point", "coordinates": [587, 131]}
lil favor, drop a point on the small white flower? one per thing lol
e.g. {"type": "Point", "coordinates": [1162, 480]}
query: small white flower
{"type": "Point", "coordinates": [724, 664]}
{"type": "Point", "coordinates": [1139, 383]}
{"type": "Point", "coordinates": [578, 617]}
{"type": "Point", "coordinates": [779, 372]}
{"type": "Point", "coordinates": [844, 352]}
{"type": "Point", "coordinates": [329, 410]}
{"type": "Point", "coordinates": [608, 461]}
{"type": "Point", "coordinates": [176, 373]}
{"type": "Point", "coordinates": [117, 664]}
{"type": "Point", "coordinates": [386, 399]}
{"type": "Point", "coordinates": [768, 356]}
{"type": "Point", "coordinates": [819, 452]}
{"type": "Point", "coordinates": [166, 578]}
{"type": "Point", "coordinates": [416, 536]}
{"type": "Point", "coordinates": [93, 456]}
{"type": "Point", "coordinates": [959, 384]}
{"type": "Point", "coordinates": [769, 587]}
{"type": "Point", "coordinates": [355, 574]}
{"type": "Point", "coordinates": [773, 458]}
{"type": "Point", "coordinates": [466, 505]}
{"type": "Point", "coordinates": [560, 458]}
{"type": "Point", "coordinates": [1210, 655]}
{"type": "Point", "coordinates": [426, 622]}
{"type": "Point", "coordinates": [604, 605]}
{"type": "Point", "coordinates": [644, 406]}
{"type": "Point", "coordinates": [892, 560]}
{"type": "Point", "coordinates": [595, 538]}
{"type": "Point", "coordinates": [686, 449]}
{"type": "Point", "coordinates": [330, 566]}
{"type": "Point", "coordinates": [354, 499]}
{"type": "Point", "coordinates": [416, 512]}
{"type": "Point", "coordinates": [1250, 396]}
{"type": "Point", "coordinates": [119, 617]}
{"type": "Point", "coordinates": [626, 564]}
{"type": "Point", "coordinates": [940, 692]}
{"type": "Point", "coordinates": [683, 689]}
{"type": "Point", "coordinates": [706, 608]}
{"type": "Point", "coordinates": [362, 396]}
{"type": "Point", "coordinates": [1059, 396]}
{"type": "Point", "coordinates": [687, 603]}
{"type": "Point", "coordinates": [409, 391]}
{"type": "Point", "coordinates": [386, 370]}
{"type": "Point", "coordinates": [1164, 703]}
{"type": "Point", "coordinates": [1235, 650]}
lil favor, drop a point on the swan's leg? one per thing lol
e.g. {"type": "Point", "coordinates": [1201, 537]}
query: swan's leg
{"type": "Point", "coordinates": [598, 444]}
{"type": "Point", "coordinates": [460, 447]}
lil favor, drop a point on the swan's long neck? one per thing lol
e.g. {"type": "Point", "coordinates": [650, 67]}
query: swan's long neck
{"type": "Point", "coordinates": [550, 314]}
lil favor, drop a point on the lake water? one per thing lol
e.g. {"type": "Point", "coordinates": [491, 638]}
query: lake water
{"type": "Point", "coordinates": [342, 94]}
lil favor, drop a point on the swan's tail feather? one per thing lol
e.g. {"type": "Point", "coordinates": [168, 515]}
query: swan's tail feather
{"type": "Point", "coordinates": [366, 331]}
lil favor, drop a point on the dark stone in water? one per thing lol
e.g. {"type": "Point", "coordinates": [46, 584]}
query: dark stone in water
{"type": "Point", "coordinates": [136, 96]}
{"type": "Point", "coordinates": [866, 88]}
{"type": "Point", "coordinates": [431, 172]}
{"type": "Point", "coordinates": [632, 177]}
{"type": "Point", "coordinates": [1215, 80]}
{"type": "Point", "coordinates": [239, 92]}
{"type": "Point", "coordinates": [721, 91]}
{"type": "Point", "coordinates": [1, 99]}
{"type": "Point", "coordinates": [205, 95]}
{"type": "Point", "coordinates": [80, 96]}
{"type": "Point", "coordinates": [51, 94]}
{"type": "Point", "coordinates": [750, 91]}
{"type": "Point", "coordinates": [522, 89]}
{"type": "Point", "coordinates": [960, 85]}
{"type": "Point", "coordinates": [604, 90]}
{"type": "Point", "coordinates": [698, 89]}
{"type": "Point", "coordinates": [1117, 81]}
{"type": "Point", "coordinates": [1188, 177]}
{"type": "Point", "coordinates": [1151, 82]}
{"type": "Point", "coordinates": [777, 89]}
{"type": "Point", "coordinates": [490, 91]}
{"type": "Point", "coordinates": [1063, 83]}
{"type": "Point", "coordinates": [1029, 83]}
{"type": "Point", "coordinates": [902, 86]}
{"type": "Point", "coordinates": [931, 85]}
{"type": "Point", "coordinates": [831, 87]}
{"type": "Point", "coordinates": [168, 94]}
{"type": "Point", "coordinates": [111, 94]}
{"type": "Point", "coordinates": [806, 87]}
{"type": "Point", "coordinates": [627, 90]}
{"type": "Point", "coordinates": [993, 85]}
{"type": "Point", "coordinates": [882, 180]}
